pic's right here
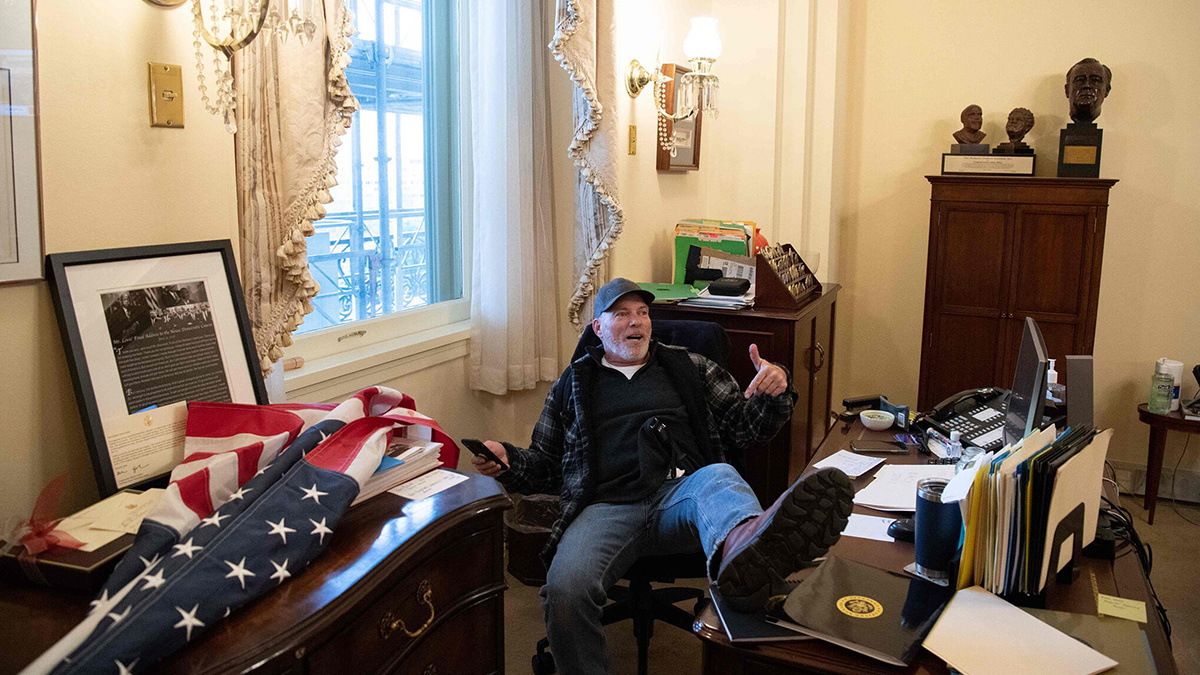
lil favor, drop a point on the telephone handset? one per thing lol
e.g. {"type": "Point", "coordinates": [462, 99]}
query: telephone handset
{"type": "Point", "coordinates": [977, 414]}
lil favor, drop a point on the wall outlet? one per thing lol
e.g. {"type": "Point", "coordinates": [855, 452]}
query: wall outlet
{"type": "Point", "coordinates": [633, 139]}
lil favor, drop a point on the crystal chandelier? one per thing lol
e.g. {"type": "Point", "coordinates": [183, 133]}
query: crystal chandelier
{"type": "Point", "coordinates": [228, 25]}
{"type": "Point", "coordinates": [695, 91]}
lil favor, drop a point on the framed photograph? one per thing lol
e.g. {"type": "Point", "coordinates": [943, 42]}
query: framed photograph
{"type": "Point", "coordinates": [20, 203]}
{"type": "Point", "coordinates": [686, 133]}
{"type": "Point", "coordinates": [146, 330]}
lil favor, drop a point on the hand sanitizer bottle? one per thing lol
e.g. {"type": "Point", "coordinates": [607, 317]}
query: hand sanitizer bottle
{"type": "Point", "coordinates": [1054, 391]}
{"type": "Point", "coordinates": [955, 449]}
{"type": "Point", "coordinates": [1162, 389]}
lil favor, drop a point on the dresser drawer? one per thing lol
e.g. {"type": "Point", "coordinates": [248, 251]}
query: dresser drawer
{"type": "Point", "coordinates": [465, 645]}
{"type": "Point", "coordinates": [414, 607]}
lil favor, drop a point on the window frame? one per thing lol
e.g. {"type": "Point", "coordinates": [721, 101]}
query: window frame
{"type": "Point", "coordinates": [446, 230]}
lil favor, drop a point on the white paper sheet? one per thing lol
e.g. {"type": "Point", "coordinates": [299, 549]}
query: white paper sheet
{"type": "Point", "coordinates": [126, 514]}
{"type": "Point", "coordinates": [852, 464]}
{"type": "Point", "coordinates": [428, 484]}
{"type": "Point", "coordinates": [981, 633]}
{"type": "Point", "coordinates": [868, 527]}
{"type": "Point", "coordinates": [895, 486]}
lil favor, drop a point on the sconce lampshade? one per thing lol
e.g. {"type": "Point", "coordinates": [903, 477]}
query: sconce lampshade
{"type": "Point", "coordinates": [702, 41]}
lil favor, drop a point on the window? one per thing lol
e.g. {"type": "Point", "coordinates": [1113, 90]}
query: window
{"type": "Point", "coordinates": [391, 240]}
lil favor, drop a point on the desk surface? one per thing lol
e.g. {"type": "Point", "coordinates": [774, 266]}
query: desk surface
{"type": "Point", "coordinates": [1122, 578]}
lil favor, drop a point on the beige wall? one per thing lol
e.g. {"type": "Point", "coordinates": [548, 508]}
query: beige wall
{"type": "Point", "coordinates": [913, 66]}
{"type": "Point", "coordinates": [108, 180]}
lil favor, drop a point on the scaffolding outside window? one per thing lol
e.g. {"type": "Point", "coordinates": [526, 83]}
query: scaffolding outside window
{"type": "Point", "coordinates": [391, 240]}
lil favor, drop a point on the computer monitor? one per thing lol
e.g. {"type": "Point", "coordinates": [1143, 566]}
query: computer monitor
{"type": "Point", "coordinates": [1028, 397]}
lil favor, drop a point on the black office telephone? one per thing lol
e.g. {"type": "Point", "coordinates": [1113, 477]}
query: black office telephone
{"type": "Point", "coordinates": [977, 414]}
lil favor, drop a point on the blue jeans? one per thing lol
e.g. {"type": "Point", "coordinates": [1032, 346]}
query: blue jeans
{"type": "Point", "coordinates": [692, 513]}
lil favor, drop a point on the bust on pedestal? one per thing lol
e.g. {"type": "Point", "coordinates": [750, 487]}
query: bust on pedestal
{"type": "Point", "coordinates": [1020, 121]}
{"type": "Point", "coordinates": [1088, 83]}
{"type": "Point", "coordinates": [970, 137]}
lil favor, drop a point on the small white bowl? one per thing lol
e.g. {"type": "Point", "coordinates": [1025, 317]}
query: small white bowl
{"type": "Point", "coordinates": [876, 420]}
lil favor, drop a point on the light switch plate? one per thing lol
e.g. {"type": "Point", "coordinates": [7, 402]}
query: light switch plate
{"type": "Point", "coordinates": [633, 139]}
{"type": "Point", "coordinates": [166, 95]}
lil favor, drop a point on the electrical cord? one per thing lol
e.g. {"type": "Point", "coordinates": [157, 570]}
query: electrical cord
{"type": "Point", "coordinates": [1123, 527]}
{"type": "Point", "coordinates": [1175, 477]}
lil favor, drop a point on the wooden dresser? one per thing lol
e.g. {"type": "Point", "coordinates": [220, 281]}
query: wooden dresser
{"type": "Point", "coordinates": [800, 339]}
{"type": "Point", "coordinates": [397, 591]}
{"type": "Point", "coordinates": [1002, 248]}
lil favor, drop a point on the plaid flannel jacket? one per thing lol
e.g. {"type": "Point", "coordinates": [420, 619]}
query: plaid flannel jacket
{"type": "Point", "coordinates": [561, 459]}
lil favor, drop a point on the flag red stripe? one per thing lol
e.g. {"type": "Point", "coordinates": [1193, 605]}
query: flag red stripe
{"type": "Point", "coordinates": [219, 420]}
{"type": "Point", "coordinates": [193, 491]}
{"type": "Point", "coordinates": [248, 462]}
{"type": "Point", "coordinates": [339, 450]}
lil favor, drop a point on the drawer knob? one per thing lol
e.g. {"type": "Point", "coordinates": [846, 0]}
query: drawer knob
{"type": "Point", "coordinates": [391, 622]}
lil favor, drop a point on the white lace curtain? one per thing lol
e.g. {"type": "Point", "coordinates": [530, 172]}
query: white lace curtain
{"type": "Point", "coordinates": [583, 45]}
{"type": "Point", "coordinates": [514, 332]}
{"type": "Point", "coordinates": [294, 103]}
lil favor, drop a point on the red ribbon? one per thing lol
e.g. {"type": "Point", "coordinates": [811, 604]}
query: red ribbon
{"type": "Point", "coordinates": [42, 536]}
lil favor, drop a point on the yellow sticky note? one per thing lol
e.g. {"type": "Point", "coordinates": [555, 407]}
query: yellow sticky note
{"type": "Point", "coordinates": [1123, 608]}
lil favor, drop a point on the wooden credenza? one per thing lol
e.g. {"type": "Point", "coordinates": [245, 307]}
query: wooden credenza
{"type": "Point", "coordinates": [434, 565]}
{"type": "Point", "coordinates": [800, 339]}
{"type": "Point", "coordinates": [1002, 248]}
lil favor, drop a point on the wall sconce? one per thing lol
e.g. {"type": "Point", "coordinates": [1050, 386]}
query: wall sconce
{"type": "Point", "coordinates": [229, 25]}
{"type": "Point", "coordinates": [695, 91]}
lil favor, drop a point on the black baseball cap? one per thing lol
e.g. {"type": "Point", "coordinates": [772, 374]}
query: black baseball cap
{"type": "Point", "coordinates": [612, 291]}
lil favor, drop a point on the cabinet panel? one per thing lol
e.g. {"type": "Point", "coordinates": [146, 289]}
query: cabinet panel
{"type": "Point", "coordinates": [970, 259]}
{"type": "Point", "coordinates": [820, 361]}
{"type": "Point", "coordinates": [1053, 261]}
{"type": "Point", "coordinates": [969, 354]}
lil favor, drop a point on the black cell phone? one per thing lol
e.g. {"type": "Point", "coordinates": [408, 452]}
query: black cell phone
{"type": "Point", "coordinates": [477, 447]}
{"type": "Point", "coordinates": [867, 445]}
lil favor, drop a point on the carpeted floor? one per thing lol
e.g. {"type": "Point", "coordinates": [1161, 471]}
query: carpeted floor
{"type": "Point", "coordinates": [1175, 543]}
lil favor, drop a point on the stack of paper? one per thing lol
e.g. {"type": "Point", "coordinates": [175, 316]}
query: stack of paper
{"type": "Point", "coordinates": [895, 486]}
{"type": "Point", "coordinates": [406, 459]}
{"type": "Point", "coordinates": [103, 522]}
{"type": "Point", "coordinates": [706, 299]}
{"type": "Point", "coordinates": [722, 235]}
{"type": "Point", "coordinates": [853, 465]}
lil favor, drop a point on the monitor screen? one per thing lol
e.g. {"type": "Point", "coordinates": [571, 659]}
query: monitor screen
{"type": "Point", "coordinates": [1024, 414]}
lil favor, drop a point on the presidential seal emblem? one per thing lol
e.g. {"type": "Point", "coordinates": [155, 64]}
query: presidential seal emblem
{"type": "Point", "coordinates": [859, 607]}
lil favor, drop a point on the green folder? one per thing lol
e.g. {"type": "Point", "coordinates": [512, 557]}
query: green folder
{"type": "Point", "coordinates": [669, 293]}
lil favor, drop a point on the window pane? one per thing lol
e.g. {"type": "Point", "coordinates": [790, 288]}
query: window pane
{"type": "Point", "coordinates": [383, 247]}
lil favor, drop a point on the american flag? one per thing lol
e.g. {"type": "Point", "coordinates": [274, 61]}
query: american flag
{"type": "Point", "coordinates": [256, 498]}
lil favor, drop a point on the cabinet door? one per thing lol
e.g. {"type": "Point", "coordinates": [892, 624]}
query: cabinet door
{"type": "Point", "coordinates": [969, 281]}
{"type": "Point", "coordinates": [1051, 279]}
{"type": "Point", "coordinates": [821, 366]}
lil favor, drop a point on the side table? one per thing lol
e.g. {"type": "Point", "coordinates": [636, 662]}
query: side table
{"type": "Point", "coordinates": [1159, 425]}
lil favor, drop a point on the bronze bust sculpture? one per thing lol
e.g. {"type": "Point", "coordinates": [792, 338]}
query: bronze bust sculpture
{"type": "Point", "coordinates": [1020, 122]}
{"type": "Point", "coordinates": [972, 121]}
{"type": "Point", "coordinates": [1088, 82]}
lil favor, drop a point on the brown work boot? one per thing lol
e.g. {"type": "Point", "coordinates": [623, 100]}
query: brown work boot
{"type": "Point", "coordinates": [800, 526]}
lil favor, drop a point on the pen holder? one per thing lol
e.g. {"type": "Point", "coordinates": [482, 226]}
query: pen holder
{"type": "Point", "coordinates": [784, 281]}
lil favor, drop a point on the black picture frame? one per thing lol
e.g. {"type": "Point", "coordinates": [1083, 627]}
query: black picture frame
{"type": "Point", "coordinates": [175, 307]}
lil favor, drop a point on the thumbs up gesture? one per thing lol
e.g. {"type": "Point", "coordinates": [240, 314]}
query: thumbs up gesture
{"type": "Point", "coordinates": [770, 380]}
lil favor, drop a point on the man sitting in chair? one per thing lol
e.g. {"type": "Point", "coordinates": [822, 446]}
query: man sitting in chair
{"type": "Point", "coordinates": [633, 436]}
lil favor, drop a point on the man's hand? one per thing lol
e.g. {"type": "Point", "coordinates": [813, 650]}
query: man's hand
{"type": "Point", "coordinates": [771, 379]}
{"type": "Point", "coordinates": [486, 466]}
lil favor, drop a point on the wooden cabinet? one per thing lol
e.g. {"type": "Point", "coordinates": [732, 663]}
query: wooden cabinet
{"type": "Point", "coordinates": [1001, 249]}
{"type": "Point", "coordinates": [800, 339]}
{"type": "Point", "coordinates": [397, 590]}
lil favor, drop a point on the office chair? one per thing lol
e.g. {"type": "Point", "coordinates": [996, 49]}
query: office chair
{"type": "Point", "coordinates": [639, 600]}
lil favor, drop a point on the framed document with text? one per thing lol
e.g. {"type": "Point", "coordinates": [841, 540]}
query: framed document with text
{"type": "Point", "coordinates": [146, 330]}
{"type": "Point", "coordinates": [20, 195]}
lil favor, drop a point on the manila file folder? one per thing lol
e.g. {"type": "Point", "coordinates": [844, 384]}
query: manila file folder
{"type": "Point", "coordinates": [1077, 486]}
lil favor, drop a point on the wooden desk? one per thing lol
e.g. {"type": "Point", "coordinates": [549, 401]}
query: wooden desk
{"type": "Point", "coordinates": [800, 339]}
{"type": "Point", "coordinates": [1123, 577]}
{"type": "Point", "coordinates": [328, 619]}
{"type": "Point", "coordinates": [1159, 426]}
